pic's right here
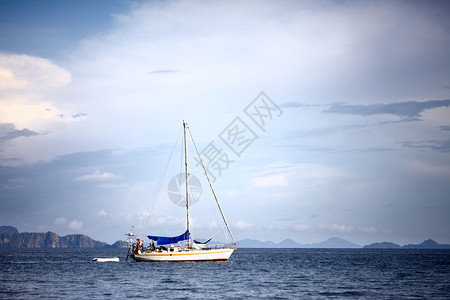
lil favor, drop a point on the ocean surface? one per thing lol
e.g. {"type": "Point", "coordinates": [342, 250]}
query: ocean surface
{"type": "Point", "coordinates": [250, 273]}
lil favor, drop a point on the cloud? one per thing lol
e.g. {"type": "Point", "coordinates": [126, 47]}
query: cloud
{"type": "Point", "coordinates": [29, 73]}
{"type": "Point", "coordinates": [370, 229]}
{"type": "Point", "coordinates": [28, 94]}
{"type": "Point", "coordinates": [295, 104]}
{"type": "Point", "coordinates": [241, 225]}
{"type": "Point", "coordinates": [336, 227]}
{"type": "Point", "coordinates": [192, 47]}
{"type": "Point", "coordinates": [75, 225]}
{"type": "Point", "coordinates": [97, 176]}
{"type": "Point", "coordinates": [278, 180]}
{"type": "Point", "coordinates": [426, 168]}
{"type": "Point", "coordinates": [111, 186]}
{"type": "Point", "coordinates": [102, 213]}
{"type": "Point", "coordinates": [441, 146]}
{"type": "Point", "coordinates": [401, 109]}
{"type": "Point", "coordinates": [371, 149]}
{"type": "Point", "coordinates": [81, 115]}
{"type": "Point", "coordinates": [161, 72]}
{"type": "Point", "coordinates": [445, 127]}
{"type": "Point", "coordinates": [167, 220]}
{"type": "Point", "coordinates": [346, 228]}
{"type": "Point", "coordinates": [302, 227]}
{"type": "Point", "coordinates": [8, 132]}
{"type": "Point", "coordinates": [60, 220]}
{"type": "Point", "coordinates": [12, 184]}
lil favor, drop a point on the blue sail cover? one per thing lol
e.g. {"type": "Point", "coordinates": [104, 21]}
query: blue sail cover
{"type": "Point", "coordinates": [163, 240]}
{"type": "Point", "coordinates": [197, 242]}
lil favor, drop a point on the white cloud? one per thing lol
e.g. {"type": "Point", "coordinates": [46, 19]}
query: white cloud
{"type": "Point", "coordinates": [336, 227]}
{"type": "Point", "coordinates": [98, 176]}
{"type": "Point", "coordinates": [302, 227]}
{"type": "Point", "coordinates": [169, 220]}
{"type": "Point", "coordinates": [286, 194]}
{"type": "Point", "coordinates": [102, 213]}
{"type": "Point", "coordinates": [242, 225]}
{"type": "Point", "coordinates": [111, 186]}
{"type": "Point", "coordinates": [277, 180]}
{"type": "Point", "coordinates": [29, 73]}
{"type": "Point", "coordinates": [12, 184]}
{"type": "Point", "coordinates": [305, 48]}
{"type": "Point", "coordinates": [370, 229]}
{"type": "Point", "coordinates": [8, 80]}
{"type": "Point", "coordinates": [60, 220]}
{"type": "Point", "coordinates": [281, 176]}
{"type": "Point", "coordinates": [346, 228]}
{"type": "Point", "coordinates": [26, 87]}
{"type": "Point", "coordinates": [317, 171]}
{"type": "Point", "coordinates": [214, 224]}
{"type": "Point", "coordinates": [75, 225]}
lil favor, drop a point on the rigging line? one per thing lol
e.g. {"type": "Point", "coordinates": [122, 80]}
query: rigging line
{"type": "Point", "coordinates": [152, 203]}
{"type": "Point", "coordinates": [208, 219]}
{"type": "Point", "coordinates": [219, 230]}
{"type": "Point", "coordinates": [210, 185]}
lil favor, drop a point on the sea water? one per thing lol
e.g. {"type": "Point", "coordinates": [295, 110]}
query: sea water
{"type": "Point", "coordinates": [250, 273]}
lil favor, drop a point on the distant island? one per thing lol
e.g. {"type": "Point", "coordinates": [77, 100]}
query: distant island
{"type": "Point", "coordinates": [338, 243]}
{"type": "Point", "coordinates": [333, 242]}
{"type": "Point", "coordinates": [428, 244]}
{"type": "Point", "coordinates": [11, 238]}
{"type": "Point", "coordinates": [383, 245]}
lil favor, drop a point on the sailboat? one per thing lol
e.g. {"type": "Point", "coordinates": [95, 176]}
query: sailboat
{"type": "Point", "coordinates": [170, 248]}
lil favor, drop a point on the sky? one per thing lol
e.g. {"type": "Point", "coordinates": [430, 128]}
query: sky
{"type": "Point", "coordinates": [315, 119]}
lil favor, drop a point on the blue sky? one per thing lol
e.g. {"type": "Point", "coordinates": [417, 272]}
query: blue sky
{"type": "Point", "coordinates": [355, 139]}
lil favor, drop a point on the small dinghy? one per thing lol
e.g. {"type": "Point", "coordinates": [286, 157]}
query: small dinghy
{"type": "Point", "coordinates": [105, 259]}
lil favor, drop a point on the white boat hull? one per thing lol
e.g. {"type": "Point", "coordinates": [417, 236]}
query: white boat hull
{"type": "Point", "coordinates": [219, 254]}
{"type": "Point", "coordinates": [106, 259]}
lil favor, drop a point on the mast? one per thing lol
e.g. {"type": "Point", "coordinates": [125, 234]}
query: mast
{"type": "Point", "coordinates": [212, 189]}
{"type": "Point", "coordinates": [185, 125]}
